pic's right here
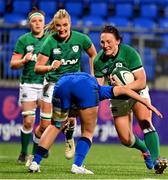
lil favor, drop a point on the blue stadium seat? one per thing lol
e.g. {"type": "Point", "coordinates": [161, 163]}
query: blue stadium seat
{"type": "Point", "coordinates": [74, 8]}
{"type": "Point", "coordinates": [165, 40]}
{"type": "Point", "coordinates": [75, 21]}
{"type": "Point", "coordinates": [85, 67]}
{"type": "Point", "coordinates": [124, 10]}
{"type": "Point", "coordinates": [149, 63]}
{"type": "Point", "coordinates": [8, 72]}
{"type": "Point", "coordinates": [48, 18]}
{"type": "Point", "coordinates": [15, 18]}
{"type": "Point", "coordinates": [98, 9]}
{"type": "Point", "coordinates": [126, 38]}
{"type": "Point", "coordinates": [92, 21]}
{"type": "Point", "coordinates": [49, 7]}
{"type": "Point", "coordinates": [143, 23]}
{"type": "Point", "coordinates": [166, 11]}
{"type": "Point", "coordinates": [148, 11]}
{"type": "Point", "coordinates": [163, 23]}
{"type": "Point", "coordinates": [15, 34]}
{"type": "Point", "coordinates": [157, 2]}
{"type": "Point", "coordinates": [122, 1]}
{"type": "Point", "coordinates": [2, 6]}
{"type": "Point", "coordinates": [95, 37]}
{"type": "Point", "coordinates": [118, 21]}
{"type": "Point", "coordinates": [20, 6]}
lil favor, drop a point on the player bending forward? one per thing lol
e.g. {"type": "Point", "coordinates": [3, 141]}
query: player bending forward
{"type": "Point", "coordinates": [67, 93]}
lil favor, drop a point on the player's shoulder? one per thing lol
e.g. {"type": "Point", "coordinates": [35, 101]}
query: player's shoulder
{"type": "Point", "coordinates": [127, 47]}
{"type": "Point", "coordinates": [79, 34]}
{"type": "Point", "coordinates": [99, 56]}
{"type": "Point", "coordinates": [25, 36]}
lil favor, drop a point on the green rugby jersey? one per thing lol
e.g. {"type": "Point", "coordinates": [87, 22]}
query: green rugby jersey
{"type": "Point", "coordinates": [69, 52]}
{"type": "Point", "coordinates": [126, 56]}
{"type": "Point", "coordinates": [25, 44]}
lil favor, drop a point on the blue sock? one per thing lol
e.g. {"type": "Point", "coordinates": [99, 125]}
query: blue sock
{"type": "Point", "coordinates": [39, 154]}
{"type": "Point", "coordinates": [82, 148]}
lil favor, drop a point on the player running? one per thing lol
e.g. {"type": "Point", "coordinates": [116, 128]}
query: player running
{"type": "Point", "coordinates": [31, 84]}
{"type": "Point", "coordinates": [61, 53]}
{"type": "Point", "coordinates": [115, 54]}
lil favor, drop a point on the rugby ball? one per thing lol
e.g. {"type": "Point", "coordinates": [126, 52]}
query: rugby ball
{"type": "Point", "coordinates": [123, 75]}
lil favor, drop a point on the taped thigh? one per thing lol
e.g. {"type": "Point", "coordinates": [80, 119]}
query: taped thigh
{"type": "Point", "coordinates": [45, 116]}
{"type": "Point", "coordinates": [28, 113]}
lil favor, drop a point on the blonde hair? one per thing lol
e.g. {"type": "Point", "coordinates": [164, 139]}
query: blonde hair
{"type": "Point", "coordinates": [60, 14]}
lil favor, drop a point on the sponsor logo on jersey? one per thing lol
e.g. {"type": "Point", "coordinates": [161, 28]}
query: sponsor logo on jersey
{"type": "Point", "coordinates": [75, 48]}
{"type": "Point", "coordinates": [30, 48]}
{"type": "Point", "coordinates": [69, 61]}
{"type": "Point", "coordinates": [57, 51]}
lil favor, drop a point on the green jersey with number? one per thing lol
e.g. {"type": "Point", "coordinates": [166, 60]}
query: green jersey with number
{"type": "Point", "coordinates": [28, 43]}
{"type": "Point", "coordinates": [126, 56]}
{"type": "Point", "coordinates": [69, 52]}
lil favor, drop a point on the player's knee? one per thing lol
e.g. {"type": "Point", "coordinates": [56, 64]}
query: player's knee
{"type": "Point", "coordinates": [44, 125]}
{"type": "Point", "coordinates": [128, 141]}
{"type": "Point", "coordinates": [28, 119]}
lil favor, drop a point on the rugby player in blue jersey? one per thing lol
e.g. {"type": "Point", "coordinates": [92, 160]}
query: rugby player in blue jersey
{"type": "Point", "coordinates": [82, 91]}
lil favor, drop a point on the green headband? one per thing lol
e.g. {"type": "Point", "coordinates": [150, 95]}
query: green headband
{"type": "Point", "coordinates": [36, 14]}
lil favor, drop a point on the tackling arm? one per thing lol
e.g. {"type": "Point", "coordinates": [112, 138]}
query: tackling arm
{"type": "Point", "coordinates": [121, 90]}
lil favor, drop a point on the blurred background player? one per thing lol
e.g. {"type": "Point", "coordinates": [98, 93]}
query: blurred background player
{"type": "Point", "coordinates": [61, 53]}
{"type": "Point", "coordinates": [67, 94]}
{"type": "Point", "coordinates": [114, 54]}
{"type": "Point", "coordinates": [31, 84]}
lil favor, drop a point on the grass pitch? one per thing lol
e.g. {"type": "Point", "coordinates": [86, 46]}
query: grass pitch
{"type": "Point", "coordinates": [107, 161]}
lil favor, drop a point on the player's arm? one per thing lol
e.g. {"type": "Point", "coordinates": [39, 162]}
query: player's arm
{"type": "Point", "coordinates": [121, 90]}
{"type": "Point", "coordinates": [140, 80]}
{"type": "Point", "coordinates": [101, 81]}
{"type": "Point", "coordinates": [18, 60]}
{"type": "Point", "coordinates": [91, 51]}
{"type": "Point", "coordinates": [42, 67]}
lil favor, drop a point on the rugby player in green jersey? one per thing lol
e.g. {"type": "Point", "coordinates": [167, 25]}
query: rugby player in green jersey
{"type": "Point", "coordinates": [61, 53]}
{"type": "Point", "coordinates": [31, 84]}
{"type": "Point", "coordinates": [114, 54]}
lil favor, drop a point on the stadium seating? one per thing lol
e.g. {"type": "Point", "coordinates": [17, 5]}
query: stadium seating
{"type": "Point", "coordinates": [118, 21]}
{"type": "Point", "coordinates": [138, 15]}
{"type": "Point", "coordinates": [124, 10]}
{"type": "Point", "coordinates": [15, 34]}
{"type": "Point", "coordinates": [49, 7]}
{"type": "Point", "coordinates": [2, 7]}
{"type": "Point", "coordinates": [92, 21]}
{"type": "Point", "coordinates": [148, 11]}
{"type": "Point", "coordinates": [74, 8]}
{"type": "Point", "coordinates": [143, 23]}
{"type": "Point", "coordinates": [149, 62]}
{"type": "Point", "coordinates": [163, 23]}
{"type": "Point", "coordinates": [95, 36]}
{"type": "Point", "coordinates": [98, 9]}
{"type": "Point", "coordinates": [20, 6]}
{"type": "Point", "coordinates": [15, 18]}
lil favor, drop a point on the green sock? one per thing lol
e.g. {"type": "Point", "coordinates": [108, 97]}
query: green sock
{"type": "Point", "coordinates": [35, 145]}
{"type": "Point", "coordinates": [139, 144]}
{"type": "Point", "coordinates": [152, 143]}
{"type": "Point", "coordinates": [25, 139]}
